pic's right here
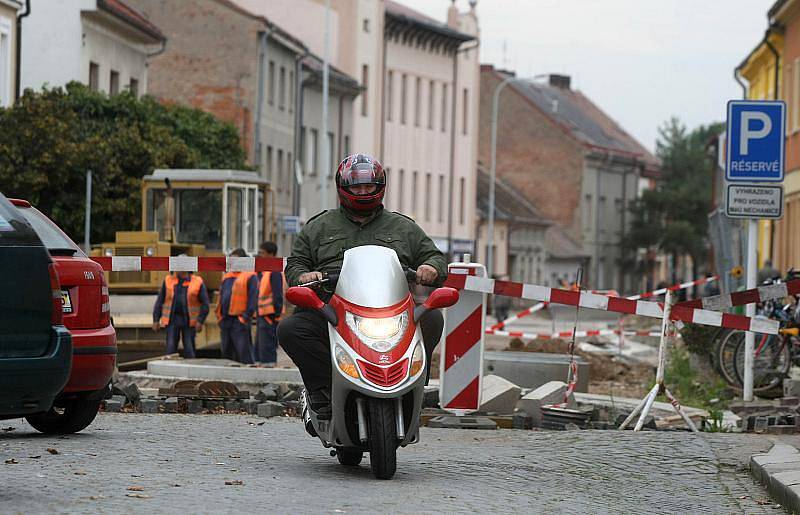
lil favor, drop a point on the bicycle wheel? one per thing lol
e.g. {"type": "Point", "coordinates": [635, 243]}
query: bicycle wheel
{"type": "Point", "coordinates": [770, 364]}
{"type": "Point", "coordinates": [726, 356]}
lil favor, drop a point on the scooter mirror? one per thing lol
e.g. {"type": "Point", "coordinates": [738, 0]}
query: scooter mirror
{"type": "Point", "coordinates": [304, 297]}
{"type": "Point", "coordinates": [441, 298]}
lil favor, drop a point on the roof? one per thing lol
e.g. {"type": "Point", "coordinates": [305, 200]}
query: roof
{"type": "Point", "coordinates": [339, 78]}
{"type": "Point", "coordinates": [275, 28]}
{"type": "Point", "coordinates": [400, 17]}
{"type": "Point", "coordinates": [577, 115]}
{"type": "Point", "coordinates": [195, 174]}
{"type": "Point", "coordinates": [128, 14]}
{"type": "Point", "coordinates": [559, 245]}
{"type": "Point", "coordinates": [509, 204]}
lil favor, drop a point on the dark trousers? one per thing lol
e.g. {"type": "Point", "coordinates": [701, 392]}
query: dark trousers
{"type": "Point", "coordinates": [178, 329]}
{"type": "Point", "coordinates": [304, 337]}
{"type": "Point", "coordinates": [266, 341]}
{"type": "Point", "coordinates": [236, 341]}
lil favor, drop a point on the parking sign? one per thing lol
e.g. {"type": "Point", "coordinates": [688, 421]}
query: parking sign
{"type": "Point", "coordinates": [755, 145]}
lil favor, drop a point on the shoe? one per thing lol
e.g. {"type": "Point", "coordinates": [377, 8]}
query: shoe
{"type": "Point", "coordinates": [320, 403]}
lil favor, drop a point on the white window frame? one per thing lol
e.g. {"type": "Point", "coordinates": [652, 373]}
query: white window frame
{"type": "Point", "coordinates": [250, 234]}
{"type": "Point", "coordinates": [5, 30]}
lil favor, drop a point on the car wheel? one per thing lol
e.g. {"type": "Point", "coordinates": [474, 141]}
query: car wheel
{"type": "Point", "coordinates": [70, 417]}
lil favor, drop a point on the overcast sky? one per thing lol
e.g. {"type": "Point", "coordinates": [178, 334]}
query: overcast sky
{"type": "Point", "coordinates": [641, 61]}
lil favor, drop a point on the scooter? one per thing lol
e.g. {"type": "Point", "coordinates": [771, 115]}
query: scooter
{"type": "Point", "coordinates": [377, 354]}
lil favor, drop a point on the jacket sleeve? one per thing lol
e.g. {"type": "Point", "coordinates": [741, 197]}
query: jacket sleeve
{"type": "Point", "coordinates": [204, 305]}
{"type": "Point", "coordinates": [159, 303]}
{"type": "Point", "coordinates": [301, 260]}
{"type": "Point", "coordinates": [252, 297]}
{"type": "Point", "coordinates": [427, 253]}
{"type": "Point", "coordinates": [276, 283]}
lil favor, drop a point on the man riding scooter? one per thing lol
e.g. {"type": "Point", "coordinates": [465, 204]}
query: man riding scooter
{"type": "Point", "coordinates": [319, 248]}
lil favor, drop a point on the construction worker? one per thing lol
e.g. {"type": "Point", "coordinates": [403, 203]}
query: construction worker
{"type": "Point", "coordinates": [182, 308]}
{"type": "Point", "coordinates": [238, 297]}
{"type": "Point", "coordinates": [270, 309]}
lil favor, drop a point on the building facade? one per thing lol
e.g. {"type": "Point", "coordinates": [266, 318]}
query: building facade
{"type": "Point", "coordinates": [9, 10]}
{"type": "Point", "coordinates": [575, 164]}
{"type": "Point", "coordinates": [105, 44]}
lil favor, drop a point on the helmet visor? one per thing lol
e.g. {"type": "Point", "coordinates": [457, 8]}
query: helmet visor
{"type": "Point", "coordinates": [362, 173]}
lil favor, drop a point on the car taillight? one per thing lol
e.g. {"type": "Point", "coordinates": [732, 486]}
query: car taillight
{"type": "Point", "coordinates": [57, 315]}
{"type": "Point", "coordinates": [105, 305]}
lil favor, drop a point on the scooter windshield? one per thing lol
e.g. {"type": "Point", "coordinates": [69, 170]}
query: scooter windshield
{"type": "Point", "coordinates": [372, 277]}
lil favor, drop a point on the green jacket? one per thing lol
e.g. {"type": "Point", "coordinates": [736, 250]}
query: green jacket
{"type": "Point", "coordinates": [321, 244]}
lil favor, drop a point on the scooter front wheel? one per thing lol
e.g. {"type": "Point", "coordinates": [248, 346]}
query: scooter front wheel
{"type": "Point", "coordinates": [382, 438]}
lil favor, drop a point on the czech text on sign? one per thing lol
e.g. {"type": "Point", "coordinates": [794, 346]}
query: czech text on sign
{"type": "Point", "coordinates": [754, 201]}
{"type": "Point", "coordinates": [755, 143]}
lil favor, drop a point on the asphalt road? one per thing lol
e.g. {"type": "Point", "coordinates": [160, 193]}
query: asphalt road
{"type": "Point", "coordinates": [135, 463]}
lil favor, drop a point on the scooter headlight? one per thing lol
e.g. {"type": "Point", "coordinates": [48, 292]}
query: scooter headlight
{"type": "Point", "coordinates": [379, 334]}
{"type": "Point", "coordinates": [417, 360]}
{"type": "Point", "coordinates": [345, 363]}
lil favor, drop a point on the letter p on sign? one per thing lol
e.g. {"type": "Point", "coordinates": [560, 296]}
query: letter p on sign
{"type": "Point", "coordinates": [755, 141]}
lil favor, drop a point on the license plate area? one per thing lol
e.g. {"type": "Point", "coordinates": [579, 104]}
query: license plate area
{"type": "Point", "coordinates": [66, 301]}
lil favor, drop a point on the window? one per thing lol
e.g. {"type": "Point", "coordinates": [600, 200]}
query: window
{"type": "Point", "coordinates": [280, 170]}
{"type": "Point", "coordinates": [365, 91]}
{"type": "Point", "coordinates": [401, 179]}
{"type": "Point", "coordinates": [271, 83]}
{"type": "Point", "coordinates": [403, 81]}
{"type": "Point", "coordinates": [441, 198]}
{"type": "Point", "coordinates": [5, 64]}
{"type": "Point", "coordinates": [311, 158]}
{"type": "Point", "coordinates": [94, 76]}
{"type": "Point", "coordinates": [268, 166]}
{"type": "Point", "coordinates": [282, 90]}
{"type": "Point", "coordinates": [465, 111]}
{"type": "Point", "coordinates": [389, 96]}
{"type": "Point", "coordinates": [431, 94]}
{"type": "Point", "coordinates": [462, 184]}
{"type": "Point", "coordinates": [113, 83]}
{"type": "Point", "coordinates": [133, 87]}
{"type": "Point", "coordinates": [428, 198]}
{"type": "Point", "coordinates": [444, 107]}
{"type": "Point", "coordinates": [414, 193]}
{"type": "Point", "coordinates": [291, 91]}
{"type": "Point", "coordinates": [417, 101]}
{"type": "Point", "coordinates": [365, 25]}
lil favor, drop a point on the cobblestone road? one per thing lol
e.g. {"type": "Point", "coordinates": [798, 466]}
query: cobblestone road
{"type": "Point", "coordinates": [181, 463]}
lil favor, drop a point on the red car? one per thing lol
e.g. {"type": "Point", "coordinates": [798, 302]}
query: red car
{"type": "Point", "coordinates": [87, 316]}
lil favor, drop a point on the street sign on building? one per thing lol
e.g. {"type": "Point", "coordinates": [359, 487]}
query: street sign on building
{"type": "Point", "coordinates": [755, 146]}
{"type": "Point", "coordinates": [757, 201]}
{"type": "Point", "coordinates": [290, 224]}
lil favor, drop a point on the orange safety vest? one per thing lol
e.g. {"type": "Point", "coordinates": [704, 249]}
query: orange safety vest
{"type": "Point", "coordinates": [192, 299]}
{"type": "Point", "coordinates": [265, 302]}
{"type": "Point", "coordinates": [238, 304]}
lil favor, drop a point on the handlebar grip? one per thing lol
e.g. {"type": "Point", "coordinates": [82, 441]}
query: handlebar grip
{"type": "Point", "coordinates": [411, 274]}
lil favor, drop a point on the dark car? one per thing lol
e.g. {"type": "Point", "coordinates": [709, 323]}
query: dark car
{"type": "Point", "coordinates": [85, 303]}
{"type": "Point", "coordinates": [35, 347]}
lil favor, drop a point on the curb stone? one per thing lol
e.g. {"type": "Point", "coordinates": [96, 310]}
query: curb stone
{"type": "Point", "coordinates": [779, 471]}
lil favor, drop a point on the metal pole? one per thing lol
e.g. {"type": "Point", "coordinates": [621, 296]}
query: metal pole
{"type": "Point", "coordinates": [749, 337]}
{"type": "Point", "coordinates": [326, 150]}
{"type": "Point", "coordinates": [87, 222]}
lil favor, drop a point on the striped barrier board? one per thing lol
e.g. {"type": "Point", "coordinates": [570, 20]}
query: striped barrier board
{"type": "Point", "coordinates": [674, 287]}
{"type": "Point", "coordinates": [461, 367]}
{"type": "Point", "coordinates": [568, 334]}
{"type": "Point", "coordinates": [613, 304]}
{"type": "Point", "coordinates": [189, 264]}
{"type": "Point", "coordinates": [740, 298]}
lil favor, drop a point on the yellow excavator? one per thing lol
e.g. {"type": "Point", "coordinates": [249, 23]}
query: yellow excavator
{"type": "Point", "coordinates": [193, 212]}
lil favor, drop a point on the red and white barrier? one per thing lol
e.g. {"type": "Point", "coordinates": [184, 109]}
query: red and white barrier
{"type": "Point", "coordinates": [510, 320]}
{"type": "Point", "coordinates": [613, 304]}
{"type": "Point", "coordinates": [740, 298]}
{"type": "Point", "coordinates": [189, 264]}
{"type": "Point", "coordinates": [674, 287]}
{"type": "Point", "coordinates": [461, 365]}
{"type": "Point", "coordinates": [568, 334]}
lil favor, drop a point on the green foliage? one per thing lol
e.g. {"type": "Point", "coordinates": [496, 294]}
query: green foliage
{"type": "Point", "coordinates": [49, 139]}
{"type": "Point", "coordinates": [691, 388]}
{"type": "Point", "coordinates": [699, 339]}
{"type": "Point", "coordinates": [673, 218]}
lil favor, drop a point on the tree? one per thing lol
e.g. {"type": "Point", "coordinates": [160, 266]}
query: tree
{"type": "Point", "coordinates": [673, 217]}
{"type": "Point", "coordinates": [49, 139]}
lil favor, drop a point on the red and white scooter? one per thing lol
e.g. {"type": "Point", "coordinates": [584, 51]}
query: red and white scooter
{"type": "Point", "coordinates": [378, 358]}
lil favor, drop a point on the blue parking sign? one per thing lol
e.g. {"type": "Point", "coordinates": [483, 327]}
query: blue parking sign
{"type": "Point", "coordinates": [755, 146]}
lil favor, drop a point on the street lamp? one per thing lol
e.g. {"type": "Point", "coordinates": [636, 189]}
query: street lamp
{"type": "Point", "coordinates": [493, 168]}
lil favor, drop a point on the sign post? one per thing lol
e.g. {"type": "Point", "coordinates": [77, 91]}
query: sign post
{"type": "Point", "coordinates": [755, 154]}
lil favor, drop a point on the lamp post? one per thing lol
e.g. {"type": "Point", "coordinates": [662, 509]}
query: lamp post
{"type": "Point", "coordinates": [493, 167]}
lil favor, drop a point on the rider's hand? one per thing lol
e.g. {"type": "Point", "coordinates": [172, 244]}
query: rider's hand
{"type": "Point", "coordinates": [309, 276]}
{"type": "Point", "coordinates": [426, 274]}
{"type": "Point", "coordinates": [155, 327]}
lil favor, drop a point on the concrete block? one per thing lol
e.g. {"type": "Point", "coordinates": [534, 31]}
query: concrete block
{"type": "Point", "coordinates": [113, 405]}
{"type": "Point", "coordinates": [130, 391]}
{"type": "Point", "coordinates": [232, 406]}
{"type": "Point", "coordinates": [291, 395]}
{"type": "Point", "coordinates": [268, 393]}
{"type": "Point", "coordinates": [171, 405]}
{"type": "Point", "coordinates": [250, 406]}
{"type": "Point", "coordinates": [791, 388]}
{"type": "Point", "coordinates": [779, 472]}
{"type": "Point", "coordinates": [499, 395]}
{"type": "Point", "coordinates": [466, 422]}
{"type": "Point", "coordinates": [533, 369]}
{"type": "Point", "coordinates": [549, 393]}
{"type": "Point", "coordinates": [194, 406]}
{"type": "Point", "coordinates": [270, 409]}
{"type": "Point", "coordinates": [522, 420]}
{"type": "Point", "coordinates": [745, 408]}
{"type": "Point", "coordinates": [148, 392]}
{"type": "Point", "coordinates": [148, 405]}
{"type": "Point", "coordinates": [220, 370]}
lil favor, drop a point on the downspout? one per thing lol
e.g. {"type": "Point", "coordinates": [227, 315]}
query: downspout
{"type": "Point", "coordinates": [262, 54]}
{"type": "Point", "coordinates": [453, 128]}
{"type": "Point", "coordinates": [739, 80]}
{"type": "Point", "coordinates": [299, 87]}
{"type": "Point", "coordinates": [18, 78]}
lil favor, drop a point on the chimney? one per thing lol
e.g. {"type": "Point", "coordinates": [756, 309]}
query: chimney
{"type": "Point", "coordinates": [559, 81]}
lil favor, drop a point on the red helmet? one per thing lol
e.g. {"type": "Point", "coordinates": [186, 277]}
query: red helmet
{"type": "Point", "coordinates": [357, 169]}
